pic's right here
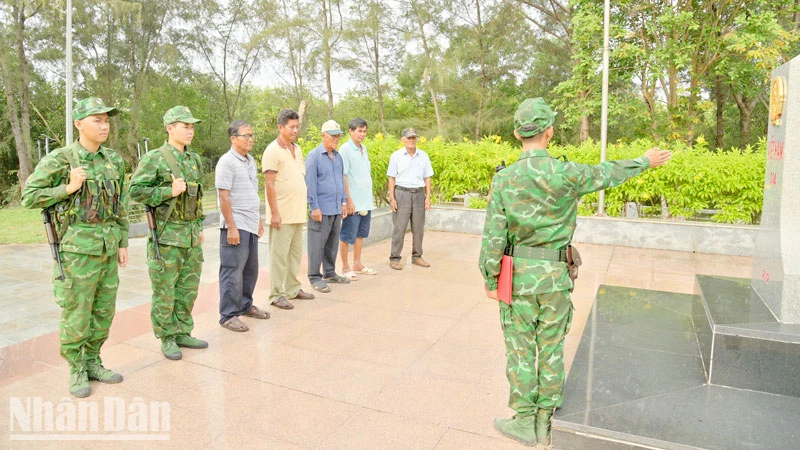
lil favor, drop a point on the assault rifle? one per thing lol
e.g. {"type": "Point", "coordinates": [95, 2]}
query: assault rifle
{"type": "Point", "coordinates": [52, 239]}
{"type": "Point", "coordinates": [150, 212]}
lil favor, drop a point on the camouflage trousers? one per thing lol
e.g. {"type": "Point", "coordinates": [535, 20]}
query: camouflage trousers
{"type": "Point", "coordinates": [536, 325]}
{"type": "Point", "coordinates": [175, 280]}
{"type": "Point", "coordinates": [87, 297]}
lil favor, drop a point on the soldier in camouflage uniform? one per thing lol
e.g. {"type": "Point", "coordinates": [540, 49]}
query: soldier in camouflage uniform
{"type": "Point", "coordinates": [83, 186]}
{"type": "Point", "coordinates": [168, 179]}
{"type": "Point", "coordinates": [532, 210]}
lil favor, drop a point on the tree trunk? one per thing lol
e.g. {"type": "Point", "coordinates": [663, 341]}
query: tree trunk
{"type": "Point", "coordinates": [584, 121]}
{"type": "Point", "coordinates": [649, 97]}
{"type": "Point", "coordinates": [720, 95]}
{"type": "Point", "coordinates": [427, 80]}
{"type": "Point", "coordinates": [301, 112]}
{"type": "Point", "coordinates": [18, 82]}
{"type": "Point", "coordinates": [481, 97]}
{"type": "Point", "coordinates": [746, 107]}
{"type": "Point", "coordinates": [377, 64]}
{"type": "Point", "coordinates": [25, 164]}
{"type": "Point", "coordinates": [326, 54]}
{"type": "Point", "coordinates": [426, 73]}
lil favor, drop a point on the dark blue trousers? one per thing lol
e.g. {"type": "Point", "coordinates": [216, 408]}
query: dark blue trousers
{"type": "Point", "coordinates": [238, 273]}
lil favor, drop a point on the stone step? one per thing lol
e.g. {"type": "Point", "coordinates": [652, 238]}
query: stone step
{"type": "Point", "coordinates": [741, 342]}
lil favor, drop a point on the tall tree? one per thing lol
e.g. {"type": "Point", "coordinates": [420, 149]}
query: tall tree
{"type": "Point", "coordinates": [231, 43]}
{"type": "Point", "coordinates": [15, 70]}
{"type": "Point", "coordinates": [370, 33]}
{"type": "Point", "coordinates": [291, 41]}
{"type": "Point", "coordinates": [552, 19]}
{"type": "Point", "coordinates": [330, 35]}
{"type": "Point", "coordinates": [756, 46]}
{"type": "Point", "coordinates": [472, 14]}
{"type": "Point", "coordinates": [421, 15]}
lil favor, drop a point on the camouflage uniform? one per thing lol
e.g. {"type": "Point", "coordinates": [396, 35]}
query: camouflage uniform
{"type": "Point", "coordinates": [534, 203]}
{"type": "Point", "coordinates": [92, 225]}
{"type": "Point", "coordinates": [176, 277]}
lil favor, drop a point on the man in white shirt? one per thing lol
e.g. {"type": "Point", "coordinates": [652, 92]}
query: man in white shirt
{"type": "Point", "coordinates": [410, 173]}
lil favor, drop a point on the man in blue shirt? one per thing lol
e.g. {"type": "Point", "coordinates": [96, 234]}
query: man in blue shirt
{"type": "Point", "coordinates": [360, 201]}
{"type": "Point", "coordinates": [326, 199]}
{"type": "Point", "coordinates": [410, 173]}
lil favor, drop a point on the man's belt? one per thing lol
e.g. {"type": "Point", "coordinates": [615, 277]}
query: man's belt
{"type": "Point", "coordinates": [409, 189]}
{"type": "Point", "coordinates": [550, 254]}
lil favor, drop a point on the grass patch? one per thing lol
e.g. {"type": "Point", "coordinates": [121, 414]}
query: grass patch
{"type": "Point", "coordinates": [21, 226]}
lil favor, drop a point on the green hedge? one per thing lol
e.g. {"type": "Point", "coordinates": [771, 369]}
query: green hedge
{"type": "Point", "coordinates": [727, 186]}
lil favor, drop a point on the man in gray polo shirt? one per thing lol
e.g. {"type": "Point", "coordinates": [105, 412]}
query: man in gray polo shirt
{"type": "Point", "coordinates": [240, 227]}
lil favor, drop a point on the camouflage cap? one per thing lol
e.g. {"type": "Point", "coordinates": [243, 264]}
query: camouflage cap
{"type": "Point", "coordinates": [332, 127]}
{"type": "Point", "coordinates": [179, 114]}
{"type": "Point", "coordinates": [408, 132]}
{"type": "Point", "coordinates": [90, 106]}
{"type": "Point", "coordinates": [533, 117]}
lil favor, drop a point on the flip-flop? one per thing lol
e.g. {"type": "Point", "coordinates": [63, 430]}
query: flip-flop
{"type": "Point", "coordinates": [367, 271]}
{"type": "Point", "coordinates": [351, 276]}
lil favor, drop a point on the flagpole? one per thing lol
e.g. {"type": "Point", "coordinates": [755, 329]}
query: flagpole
{"type": "Point", "coordinates": [601, 207]}
{"type": "Point", "coordinates": [68, 106]}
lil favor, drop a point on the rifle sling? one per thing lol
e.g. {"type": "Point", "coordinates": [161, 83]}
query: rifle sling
{"type": "Point", "coordinates": [176, 171]}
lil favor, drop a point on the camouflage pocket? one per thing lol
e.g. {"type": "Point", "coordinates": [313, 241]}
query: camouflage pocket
{"type": "Point", "coordinates": [192, 206]}
{"type": "Point", "coordinates": [569, 318]}
{"type": "Point", "coordinates": [62, 289]}
{"type": "Point", "coordinates": [505, 315]}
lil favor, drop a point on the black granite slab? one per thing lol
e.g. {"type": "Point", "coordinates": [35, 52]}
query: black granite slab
{"type": "Point", "coordinates": [733, 301]}
{"type": "Point", "coordinates": [613, 374]}
{"type": "Point", "coordinates": [758, 364]}
{"type": "Point", "coordinates": [637, 382]}
{"type": "Point", "coordinates": [708, 417]}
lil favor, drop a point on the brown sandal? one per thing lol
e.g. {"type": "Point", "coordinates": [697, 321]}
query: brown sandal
{"type": "Point", "coordinates": [282, 303]}
{"type": "Point", "coordinates": [257, 313]}
{"type": "Point", "coordinates": [234, 324]}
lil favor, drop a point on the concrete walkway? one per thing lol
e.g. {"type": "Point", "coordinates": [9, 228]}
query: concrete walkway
{"type": "Point", "coordinates": [410, 359]}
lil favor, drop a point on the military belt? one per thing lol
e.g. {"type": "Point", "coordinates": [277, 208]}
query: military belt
{"type": "Point", "coordinates": [409, 189]}
{"type": "Point", "coordinates": [550, 254]}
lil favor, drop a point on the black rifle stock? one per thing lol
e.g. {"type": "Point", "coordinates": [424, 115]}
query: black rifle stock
{"type": "Point", "coordinates": [150, 212]}
{"type": "Point", "coordinates": [52, 239]}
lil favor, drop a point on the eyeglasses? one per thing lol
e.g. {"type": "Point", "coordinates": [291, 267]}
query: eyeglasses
{"type": "Point", "coordinates": [249, 137]}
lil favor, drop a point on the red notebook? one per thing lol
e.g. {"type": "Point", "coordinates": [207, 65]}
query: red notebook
{"type": "Point", "coordinates": [505, 280]}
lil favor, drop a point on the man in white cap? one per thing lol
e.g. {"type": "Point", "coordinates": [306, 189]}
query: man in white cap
{"type": "Point", "coordinates": [327, 201]}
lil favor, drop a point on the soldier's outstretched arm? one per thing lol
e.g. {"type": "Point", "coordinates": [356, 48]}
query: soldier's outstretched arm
{"type": "Point", "coordinates": [592, 178]}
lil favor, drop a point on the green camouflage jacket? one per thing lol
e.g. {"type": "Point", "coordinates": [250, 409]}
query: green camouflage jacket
{"type": "Point", "coordinates": [534, 203]}
{"type": "Point", "coordinates": [85, 227]}
{"type": "Point", "coordinates": [151, 185]}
